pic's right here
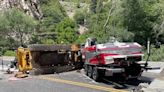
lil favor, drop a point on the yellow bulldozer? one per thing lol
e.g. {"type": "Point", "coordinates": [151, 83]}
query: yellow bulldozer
{"type": "Point", "coordinates": [46, 59]}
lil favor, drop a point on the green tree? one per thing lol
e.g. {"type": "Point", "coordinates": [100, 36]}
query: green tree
{"type": "Point", "coordinates": [158, 25]}
{"type": "Point", "coordinates": [79, 17]}
{"type": "Point", "coordinates": [15, 24]}
{"type": "Point", "coordinates": [140, 16]}
{"type": "Point", "coordinates": [107, 22]}
{"type": "Point", "coordinates": [66, 31]}
{"type": "Point", "coordinates": [93, 6]}
{"type": "Point", "coordinates": [53, 13]}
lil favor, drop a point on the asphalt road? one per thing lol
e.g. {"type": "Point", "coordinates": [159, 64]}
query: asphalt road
{"type": "Point", "coordinates": [65, 82]}
{"type": "Point", "coordinates": [73, 81]}
{"type": "Point", "coordinates": [40, 85]}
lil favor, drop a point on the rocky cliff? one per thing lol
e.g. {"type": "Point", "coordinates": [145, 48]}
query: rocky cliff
{"type": "Point", "coordinates": [30, 7]}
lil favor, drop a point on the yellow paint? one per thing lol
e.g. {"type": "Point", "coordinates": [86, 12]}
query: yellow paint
{"type": "Point", "coordinates": [24, 59]}
{"type": "Point", "coordinates": [74, 47]}
{"type": "Point", "coordinates": [96, 87]}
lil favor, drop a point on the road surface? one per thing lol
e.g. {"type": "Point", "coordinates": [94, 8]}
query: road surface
{"type": "Point", "coordinates": [73, 81]}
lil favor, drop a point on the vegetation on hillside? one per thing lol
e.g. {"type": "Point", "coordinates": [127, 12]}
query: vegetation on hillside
{"type": "Point", "coordinates": [127, 20]}
{"type": "Point", "coordinates": [15, 26]}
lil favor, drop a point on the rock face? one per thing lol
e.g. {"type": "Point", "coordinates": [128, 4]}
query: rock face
{"type": "Point", "coordinates": [30, 7]}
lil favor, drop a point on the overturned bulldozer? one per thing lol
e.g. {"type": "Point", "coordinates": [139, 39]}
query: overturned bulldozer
{"type": "Point", "coordinates": [46, 59]}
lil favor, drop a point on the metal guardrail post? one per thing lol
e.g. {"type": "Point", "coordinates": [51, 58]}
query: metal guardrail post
{"type": "Point", "coordinates": [2, 63]}
{"type": "Point", "coordinates": [148, 52]}
{"type": "Point", "coordinates": [2, 58]}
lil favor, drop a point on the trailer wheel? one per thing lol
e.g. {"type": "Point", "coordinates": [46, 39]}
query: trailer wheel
{"type": "Point", "coordinates": [90, 71]}
{"type": "Point", "coordinates": [96, 74]}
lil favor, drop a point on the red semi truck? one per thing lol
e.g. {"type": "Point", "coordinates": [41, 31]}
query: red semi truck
{"type": "Point", "coordinates": [113, 58]}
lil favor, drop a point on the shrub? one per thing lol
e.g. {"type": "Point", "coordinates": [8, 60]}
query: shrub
{"type": "Point", "coordinates": [157, 54]}
{"type": "Point", "coordinates": [47, 41]}
{"type": "Point", "coordinates": [79, 17]}
{"type": "Point", "coordinates": [66, 31]}
{"type": "Point", "coordinates": [9, 53]}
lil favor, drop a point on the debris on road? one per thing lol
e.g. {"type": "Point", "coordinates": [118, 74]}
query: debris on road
{"type": "Point", "coordinates": [157, 85]}
{"type": "Point", "coordinates": [13, 79]}
{"type": "Point", "coordinates": [21, 75]}
{"type": "Point", "coordinates": [141, 87]}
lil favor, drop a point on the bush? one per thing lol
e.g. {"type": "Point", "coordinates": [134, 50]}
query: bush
{"type": "Point", "coordinates": [157, 54]}
{"type": "Point", "coordinates": [79, 17]}
{"type": "Point", "coordinates": [53, 13]}
{"type": "Point", "coordinates": [9, 53]}
{"type": "Point", "coordinates": [66, 31]}
{"type": "Point", "coordinates": [47, 41]}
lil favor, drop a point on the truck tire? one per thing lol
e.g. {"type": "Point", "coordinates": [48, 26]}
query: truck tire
{"type": "Point", "coordinates": [96, 74]}
{"type": "Point", "coordinates": [86, 69]}
{"type": "Point", "coordinates": [90, 71]}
